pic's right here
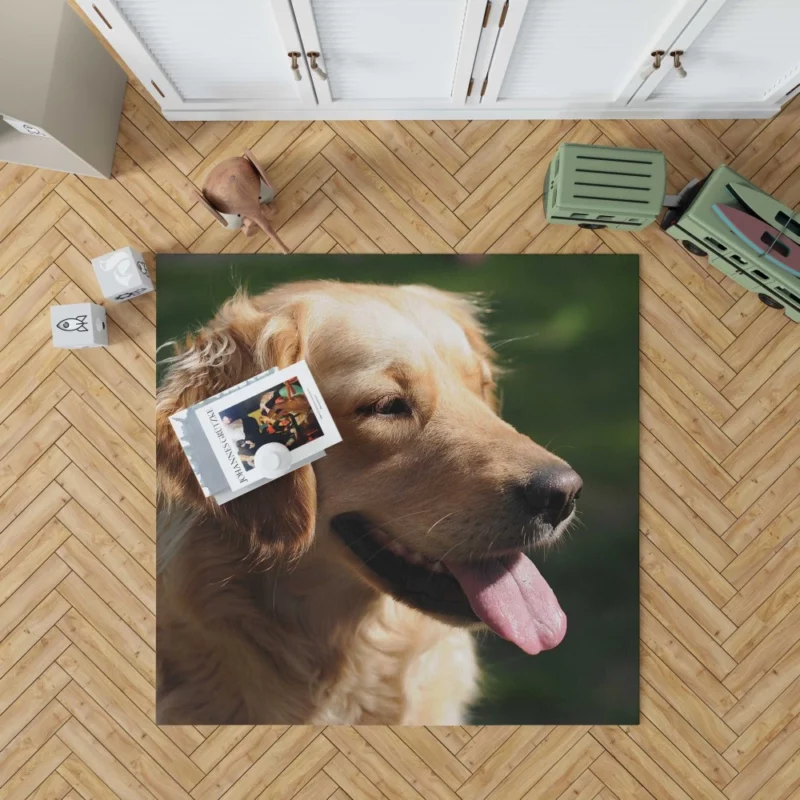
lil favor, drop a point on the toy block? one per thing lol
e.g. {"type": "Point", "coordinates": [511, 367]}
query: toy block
{"type": "Point", "coordinates": [122, 275]}
{"type": "Point", "coordinates": [78, 325]}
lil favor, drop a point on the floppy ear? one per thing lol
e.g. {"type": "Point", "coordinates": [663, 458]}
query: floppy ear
{"type": "Point", "coordinates": [257, 167]}
{"type": "Point", "coordinates": [201, 196]}
{"type": "Point", "coordinates": [277, 519]}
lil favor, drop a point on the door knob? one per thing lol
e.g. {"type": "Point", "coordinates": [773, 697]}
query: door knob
{"type": "Point", "coordinates": [676, 59]}
{"type": "Point", "coordinates": [657, 55]}
{"type": "Point", "coordinates": [312, 57]}
{"type": "Point", "coordinates": [295, 66]}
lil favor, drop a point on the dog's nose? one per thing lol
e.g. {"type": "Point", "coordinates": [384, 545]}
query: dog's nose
{"type": "Point", "coordinates": [553, 491]}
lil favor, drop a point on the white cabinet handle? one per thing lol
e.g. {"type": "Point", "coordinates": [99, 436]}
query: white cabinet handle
{"type": "Point", "coordinates": [657, 55]}
{"type": "Point", "coordinates": [676, 58]}
{"type": "Point", "coordinates": [313, 56]}
{"type": "Point", "coordinates": [295, 66]}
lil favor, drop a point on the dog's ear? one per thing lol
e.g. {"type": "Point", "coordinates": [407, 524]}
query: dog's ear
{"type": "Point", "coordinates": [277, 519]}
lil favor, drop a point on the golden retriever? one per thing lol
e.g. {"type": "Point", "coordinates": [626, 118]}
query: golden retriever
{"type": "Point", "coordinates": [346, 592]}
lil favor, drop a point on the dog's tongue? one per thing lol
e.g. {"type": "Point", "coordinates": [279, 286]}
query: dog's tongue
{"type": "Point", "coordinates": [510, 595]}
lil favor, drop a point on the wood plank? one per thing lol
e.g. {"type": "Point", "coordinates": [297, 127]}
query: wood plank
{"type": "Point", "coordinates": [175, 221]}
{"type": "Point", "coordinates": [159, 131]}
{"type": "Point", "coordinates": [26, 198]}
{"type": "Point", "coordinates": [14, 246]}
{"type": "Point", "coordinates": [524, 192]}
{"type": "Point", "coordinates": [365, 218]}
{"type": "Point", "coordinates": [426, 168]}
{"type": "Point", "coordinates": [144, 153]}
{"type": "Point", "coordinates": [426, 220]}
{"type": "Point", "coordinates": [121, 709]}
{"type": "Point", "coordinates": [437, 143]}
{"type": "Point", "coordinates": [30, 267]}
{"type": "Point", "coordinates": [109, 516]}
{"type": "Point", "coordinates": [492, 153]}
{"type": "Point", "coordinates": [538, 147]}
{"type": "Point", "coordinates": [12, 176]}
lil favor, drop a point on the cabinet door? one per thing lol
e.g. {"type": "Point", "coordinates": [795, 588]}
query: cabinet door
{"type": "Point", "coordinates": [557, 54]}
{"type": "Point", "coordinates": [207, 55]}
{"type": "Point", "coordinates": [735, 51]}
{"type": "Point", "coordinates": [390, 54]}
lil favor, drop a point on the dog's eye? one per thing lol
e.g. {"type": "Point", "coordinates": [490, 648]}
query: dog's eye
{"type": "Point", "coordinates": [388, 407]}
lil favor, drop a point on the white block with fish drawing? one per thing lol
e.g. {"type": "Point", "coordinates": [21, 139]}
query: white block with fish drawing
{"type": "Point", "coordinates": [122, 275]}
{"type": "Point", "coordinates": [78, 325]}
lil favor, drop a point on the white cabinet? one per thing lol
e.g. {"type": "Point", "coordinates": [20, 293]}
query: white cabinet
{"type": "Point", "coordinates": [206, 55]}
{"type": "Point", "coordinates": [390, 54]}
{"type": "Point", "coordinates": [562, 53]}
{"type": "Point", "coordinates": [336, 59]}
{"type": "Point", "coordinates": [734, 51]}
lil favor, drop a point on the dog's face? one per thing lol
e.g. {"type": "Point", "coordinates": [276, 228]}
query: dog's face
{"type": "Point", "coordinates": [431, 495]}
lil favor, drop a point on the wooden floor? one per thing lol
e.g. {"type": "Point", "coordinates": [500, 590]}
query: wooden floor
{"type": "Point", "coordinates": [720, 506]}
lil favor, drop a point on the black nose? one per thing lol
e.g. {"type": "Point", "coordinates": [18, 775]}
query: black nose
{"type": "Point", "coordinates": [553, 492]}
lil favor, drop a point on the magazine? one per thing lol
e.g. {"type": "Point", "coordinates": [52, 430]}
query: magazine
{"type": "Point", "coordinates": [221, 435]}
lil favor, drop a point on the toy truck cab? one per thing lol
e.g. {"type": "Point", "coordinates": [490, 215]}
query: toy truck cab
{"type": "Point", "coordinates": [702, 232]}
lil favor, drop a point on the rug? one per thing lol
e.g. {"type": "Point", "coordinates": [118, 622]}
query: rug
{"type": "Point", "coordinates": [561, 370]}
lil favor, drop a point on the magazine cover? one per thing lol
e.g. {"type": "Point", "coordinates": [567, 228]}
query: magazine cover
{"type": "Point", "coordinates": [222, 435]}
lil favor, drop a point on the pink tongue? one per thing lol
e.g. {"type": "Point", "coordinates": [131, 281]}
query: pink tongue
{"type": "Point", "coordinates": [510, 595]}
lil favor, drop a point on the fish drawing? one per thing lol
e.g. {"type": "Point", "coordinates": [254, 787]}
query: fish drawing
{"type": "Point", "coordinates": [73, 324]}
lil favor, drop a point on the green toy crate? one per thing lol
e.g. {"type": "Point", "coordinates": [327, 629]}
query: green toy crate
{"type": "Point", "coordinates": [695, 224]}
{"type": "Point", "coordinates": [605, 187]}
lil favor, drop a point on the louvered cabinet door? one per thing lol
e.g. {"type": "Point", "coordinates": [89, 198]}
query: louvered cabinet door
{"type": "Point", "coordinates": [554, 55]}
{"type": "Point", "coordinates": [735, 51]}
{"type": "Point", "coordinates": [389, 54]}
{"type": "Point", "coordinates": [208, 55]}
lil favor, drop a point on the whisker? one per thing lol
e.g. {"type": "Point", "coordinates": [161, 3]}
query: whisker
{"type": "Point", "coordinates": [438, 521]}
{"type": "Point", "coordinates": [504, 342]}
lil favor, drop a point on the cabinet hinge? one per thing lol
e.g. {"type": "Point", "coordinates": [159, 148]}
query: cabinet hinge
{"type": "Point", "coordinates": [469, 88]}
{"type": "Point", "coordinates": [483, 88]}
{"type": "Point", "coordinates": [487, 12]}
{"type": "Point", "coordinates": [503, 15]}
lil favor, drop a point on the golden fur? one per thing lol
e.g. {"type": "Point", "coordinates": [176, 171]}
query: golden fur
{"type": "Point", "coordinates": [263, 615]}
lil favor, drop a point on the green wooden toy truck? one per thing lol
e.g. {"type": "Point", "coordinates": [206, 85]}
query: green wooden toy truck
{"type": "Point", "coordinates": [605, 187]}
{"type": "Point", "coordinates": [702, 232]}
{"type": "Point", "coordinates": [608, 187]}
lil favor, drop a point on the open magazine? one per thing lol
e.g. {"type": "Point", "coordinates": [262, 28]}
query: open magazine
{"type": "Point", "coordinates": [221, 435]}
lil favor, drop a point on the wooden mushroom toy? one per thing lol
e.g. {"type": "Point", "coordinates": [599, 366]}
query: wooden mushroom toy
{"type": "Point", "coordinates": [237, 192]}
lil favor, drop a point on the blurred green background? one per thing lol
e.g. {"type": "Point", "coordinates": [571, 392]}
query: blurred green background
{"type": "Point", "coordinates": [567, 329]}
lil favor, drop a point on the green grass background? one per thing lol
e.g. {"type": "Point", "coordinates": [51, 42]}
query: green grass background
{"type": "Point", "coordinates": [567, 329]}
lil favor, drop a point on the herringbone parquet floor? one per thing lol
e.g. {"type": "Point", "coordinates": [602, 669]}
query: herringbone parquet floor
{"type": "Point", "coordinates": [720, 447]}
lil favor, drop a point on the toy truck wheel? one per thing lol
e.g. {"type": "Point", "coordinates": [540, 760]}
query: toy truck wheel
{"type": "Point", "coordinates": [769, 301]}
{"type": "Point", "coordinates": [693, 248]}
{"type": "Point", "coordinates": [592, 226]}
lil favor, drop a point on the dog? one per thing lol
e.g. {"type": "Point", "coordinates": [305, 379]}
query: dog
{"type": "Point", "coordinates": [347, 591]}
